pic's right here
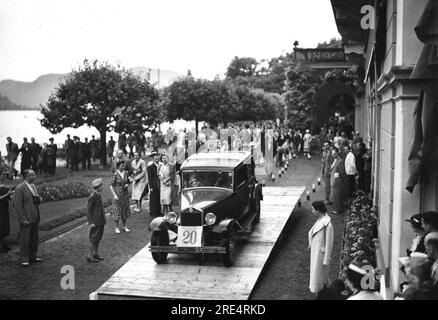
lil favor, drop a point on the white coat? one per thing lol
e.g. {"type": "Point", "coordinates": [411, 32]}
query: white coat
{"type": "Point", "coordinates": [320, 245]}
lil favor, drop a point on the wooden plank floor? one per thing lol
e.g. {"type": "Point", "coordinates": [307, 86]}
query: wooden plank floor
{"type": "Point", "coordinates": [182, 277]}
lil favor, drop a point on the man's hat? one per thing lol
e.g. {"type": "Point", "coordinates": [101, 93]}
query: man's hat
{"type": "Point", "coordinates": [51, 139]}
{"type": "Point", "coordinates": [415, 220]}
{"type": "Point", "coordinates": [96, 183]}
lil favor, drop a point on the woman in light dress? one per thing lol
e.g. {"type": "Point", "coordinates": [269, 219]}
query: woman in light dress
{"type": "Point", "coordinates": [165, 176]}
{"type": "Point", "coordinates": [139, 179]}
{"type": "Point", "coordinates": [307, 139]}
{"type": "Point", "coordinates": [320, 245]}
{"type": "Point", "coordinates": [269, 154]}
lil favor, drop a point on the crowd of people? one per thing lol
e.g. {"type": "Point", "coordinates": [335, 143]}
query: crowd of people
{"type": "Point", "coordinates": [346, 168]}
{"type": "Point", "coordinates": [41, 159]}
{"type": "Point", "coordinates": [138, 174]}
{"type": "Point", "coordinates": [420, 266]}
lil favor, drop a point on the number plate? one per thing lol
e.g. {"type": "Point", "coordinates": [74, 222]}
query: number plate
{"type": "Point", "coordinates": [189, 237]}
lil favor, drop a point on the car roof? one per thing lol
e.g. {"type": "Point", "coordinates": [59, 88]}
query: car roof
{"type": "Point", "coordinates": [215, 159]}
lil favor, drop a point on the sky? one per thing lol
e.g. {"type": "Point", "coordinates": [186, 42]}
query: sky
{"type": "Point", "coordinates": [54, 36]}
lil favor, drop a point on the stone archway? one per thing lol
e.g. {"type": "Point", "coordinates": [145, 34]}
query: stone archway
{"type": "Point", "coordinates": [326, 97]}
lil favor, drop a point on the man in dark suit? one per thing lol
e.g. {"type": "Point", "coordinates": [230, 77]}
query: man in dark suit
{"type": "Point", "coordinates": [54, 147]}
{"type": "Point", "coordinates": [68, 145]}
{"type": "Point", "coordinates": [75, 154]}
{"type": "Point", "coordinates": [86, 154]}
{"type": "Point", "coordinates": [154, 187]}
{"type": "Point", "coordinates": [26, 204]}
{"type": "Point", "coordinates": [327, 161]}
{"type": "Point", "coordinates": [35, 150]}
{"type": "Point", "coordinates": [94, 148]}
{"type": "Point", "coordinates": [111, 145]}
{"type": "Point", "coordinates": [96, 220]}
{"type": "Point", "coordinates": [26, 156]}
{"type": "Point", "coordinates": [12, 150]}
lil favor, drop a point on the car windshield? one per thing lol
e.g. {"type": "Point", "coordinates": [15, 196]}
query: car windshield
{"type": "Point", "coordinates": [196, 179]}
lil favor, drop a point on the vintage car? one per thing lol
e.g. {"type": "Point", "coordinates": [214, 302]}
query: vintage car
{"type": "Point", "coordinates": [220, 199]}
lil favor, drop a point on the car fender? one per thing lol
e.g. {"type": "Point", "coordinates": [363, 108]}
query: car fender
{"type": "Point", "coordinates": [258, 192]}
{"type": "Point", "coordinates": [227, 224]}
{"type": "Point", "coordinates": [158, 224]}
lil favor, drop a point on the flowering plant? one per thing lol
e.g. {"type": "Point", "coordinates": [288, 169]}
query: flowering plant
{"type": "Point", "coordinates": [64, 191]}
{"type": "Point", "coordinates": [360, 233]}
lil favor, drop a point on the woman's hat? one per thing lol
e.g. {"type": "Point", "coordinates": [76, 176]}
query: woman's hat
{"type": "Point", "coordinates": [415, 220]}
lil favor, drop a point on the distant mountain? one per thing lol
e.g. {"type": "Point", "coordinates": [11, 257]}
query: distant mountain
{"type": "Point", "coordinates": [6, 104]}
{"type": "Point", "coordinates": [31, 94]}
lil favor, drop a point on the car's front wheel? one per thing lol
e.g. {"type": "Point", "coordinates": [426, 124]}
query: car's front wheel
{"type": "Point", "coordinates": [230, 244]}
{"type": "Point", "coordinates": [159, 238]}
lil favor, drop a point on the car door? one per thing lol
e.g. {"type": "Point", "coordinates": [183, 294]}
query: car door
{"type": "Point", "coordinates": [242, 190]}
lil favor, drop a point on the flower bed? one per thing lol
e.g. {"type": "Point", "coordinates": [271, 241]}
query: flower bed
{"type": "Point", "coordinates": [64, 191]}
{"type": "Point", "coordinates": [360, 233]}
{"type": "Point", "coordinates": [79, 213]}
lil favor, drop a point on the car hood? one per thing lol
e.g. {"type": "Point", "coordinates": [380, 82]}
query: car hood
{"type": "Point", "coordinates": [203, 198]}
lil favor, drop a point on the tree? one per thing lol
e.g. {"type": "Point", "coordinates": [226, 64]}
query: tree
{"type": "Point", "coordinates": [143, 110]}
{"type": "Point", "coordinates": [256, 104]}
{"type": "Point", "coordinates": [301, 86]}
{"type": "Point", "coordinates": [333, 43]}
{"type": "Point", "coordinates": [270, 78]}
{"type": "Point", "coordinates": [101, 96]}
{"type": "Point", "coordinates": [199, 100]}
{"type": "Point", "coordinates": [186, 99]}
{"type": "Point", "coordinates": [244, 67]}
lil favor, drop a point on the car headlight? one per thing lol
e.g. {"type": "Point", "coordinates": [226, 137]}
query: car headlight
{"type": "Point", "coordinates": [210, 219]}
{"type": "Point", "coordinates": [171, 217]}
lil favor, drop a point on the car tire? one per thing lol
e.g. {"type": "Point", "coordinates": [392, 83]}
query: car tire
{"type": "Point", "coordinates": [229, 242]}
{"type": "Point", "coordinates": [159, 238]}
{"type": "Point", "coordinates": [257, 210]}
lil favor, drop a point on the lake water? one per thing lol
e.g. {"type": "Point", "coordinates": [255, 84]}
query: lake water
{"type": "Point", "coordinates": [20, 124]}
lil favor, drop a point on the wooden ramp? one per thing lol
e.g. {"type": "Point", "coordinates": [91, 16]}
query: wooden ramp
{"type": "Point", "coordinates": [182, 277]}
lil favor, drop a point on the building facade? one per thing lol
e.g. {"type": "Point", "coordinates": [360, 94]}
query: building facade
{"type": "Point", "coordinates": [392, 49]}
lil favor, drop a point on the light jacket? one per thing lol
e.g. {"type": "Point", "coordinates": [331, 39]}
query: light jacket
{"type": "Point", "coordinates": [320, 245]}
{"type": "Point", "coordinates": [350, 164]}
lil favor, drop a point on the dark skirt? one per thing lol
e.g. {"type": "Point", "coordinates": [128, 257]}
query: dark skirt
{"type": "Point", "coordinates": [337, 196]}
